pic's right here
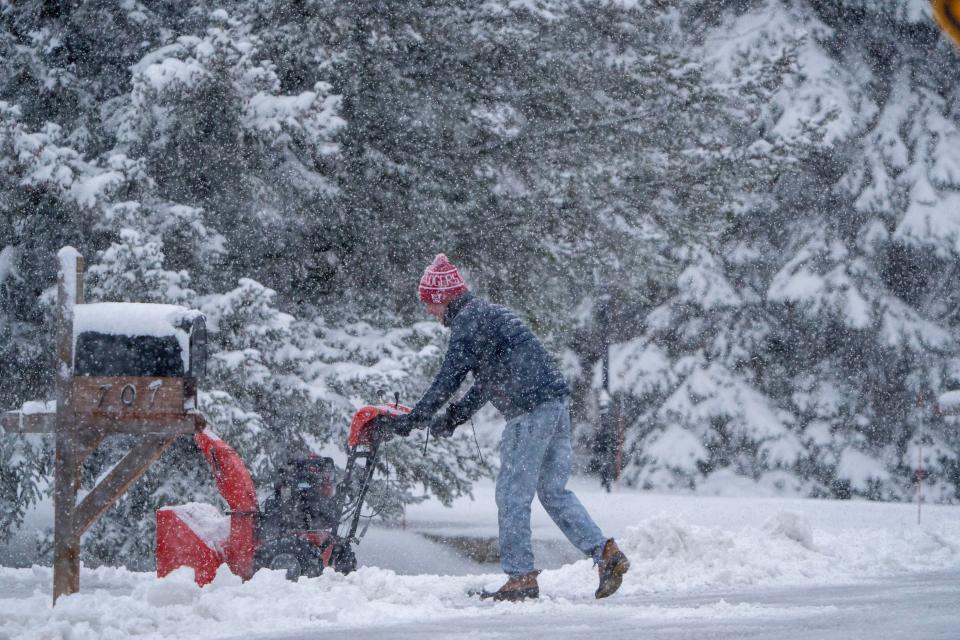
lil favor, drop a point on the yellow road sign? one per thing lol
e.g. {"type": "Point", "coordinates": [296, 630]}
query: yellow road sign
{"type": "Point", "coordinates": [947, 13]}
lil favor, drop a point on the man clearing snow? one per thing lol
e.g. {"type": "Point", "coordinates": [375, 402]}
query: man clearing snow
{"type": "Point", "coordinates": [512, 370]}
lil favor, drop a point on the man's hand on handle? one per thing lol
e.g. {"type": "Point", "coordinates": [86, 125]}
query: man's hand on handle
{"type": "Point", "coordinates": [403, 424]}
{"type": "Point", "coordinates": [442, 426]}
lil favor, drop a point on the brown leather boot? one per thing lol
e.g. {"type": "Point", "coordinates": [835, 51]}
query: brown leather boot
{"type": "Point", "coordinates": [517, 588]}
{"type": "Point", "coordinates": [613, 564]}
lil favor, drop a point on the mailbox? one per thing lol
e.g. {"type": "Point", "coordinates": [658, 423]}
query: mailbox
{"type": "Point", "coordinates": [121, 368]}
{"type": "Point", "coordinates": [136, 362]}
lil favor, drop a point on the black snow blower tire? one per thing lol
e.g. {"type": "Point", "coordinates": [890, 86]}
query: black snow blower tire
{"type": "Point", "coordinates": [295, 556]}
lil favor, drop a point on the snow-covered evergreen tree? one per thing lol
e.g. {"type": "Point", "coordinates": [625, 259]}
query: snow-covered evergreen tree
{"type": "Point", "coordinates": [169, 135]}
{"type": "Point", "coordinates": [753, 199]}
{"type": "Point", "coordinates": [844, 324]}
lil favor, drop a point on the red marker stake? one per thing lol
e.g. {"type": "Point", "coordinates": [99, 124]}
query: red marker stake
{"type": "Point", "coordinates": [619, 446]}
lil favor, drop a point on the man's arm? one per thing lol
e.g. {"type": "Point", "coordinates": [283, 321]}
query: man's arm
{"type": "Point", "coordinates": [460, 411]}
{"type": "Point", "coordinates": [458, 361]}
{"type": "Point", "coordinates": [443, 426]}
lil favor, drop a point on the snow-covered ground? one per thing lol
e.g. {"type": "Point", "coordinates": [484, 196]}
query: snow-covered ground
{"type": "Point", "coordinates": [719, 567]}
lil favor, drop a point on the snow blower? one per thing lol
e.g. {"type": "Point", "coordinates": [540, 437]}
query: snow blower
{"type": "Point", "coordinates": [308, 524]}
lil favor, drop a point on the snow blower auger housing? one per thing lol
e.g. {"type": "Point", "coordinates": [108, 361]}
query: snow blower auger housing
{"type": "Point", "coordinates": [308, 523]}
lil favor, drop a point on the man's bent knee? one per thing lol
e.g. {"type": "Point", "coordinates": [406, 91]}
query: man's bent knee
{"type": "Point", "coordinates": [551, 498]}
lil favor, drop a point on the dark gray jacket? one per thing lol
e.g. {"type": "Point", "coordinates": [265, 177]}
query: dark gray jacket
{"type": "Point", "coordinates": [510, 367]}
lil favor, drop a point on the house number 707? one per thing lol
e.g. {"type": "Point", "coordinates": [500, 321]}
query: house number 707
{"type": "Point", "coordinates": [128, 394]}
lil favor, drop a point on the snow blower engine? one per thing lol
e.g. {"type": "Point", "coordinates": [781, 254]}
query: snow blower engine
{"type": "Point", "coordinates": [308, 523]}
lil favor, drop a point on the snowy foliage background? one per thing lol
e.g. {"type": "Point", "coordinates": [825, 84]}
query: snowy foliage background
{"type": "Point", "coordinates": [755, 203]}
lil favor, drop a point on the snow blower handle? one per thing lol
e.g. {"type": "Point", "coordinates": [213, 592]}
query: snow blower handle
{"type": "Point", "coordinates": [382, 428]}
{"type": "Point", "coordinates": [403, 424]}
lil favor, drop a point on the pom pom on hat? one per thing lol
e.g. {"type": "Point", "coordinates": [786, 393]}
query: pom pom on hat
{"type": "Point", "coordinates": [441, 282]}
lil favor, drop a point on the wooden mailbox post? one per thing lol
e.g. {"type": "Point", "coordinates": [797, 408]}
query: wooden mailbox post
{"type": "Point", "coordinates": [121, 368]}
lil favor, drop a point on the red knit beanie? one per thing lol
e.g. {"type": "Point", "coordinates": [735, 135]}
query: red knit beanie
{"type": "Point", "coordinates": [441, 282]}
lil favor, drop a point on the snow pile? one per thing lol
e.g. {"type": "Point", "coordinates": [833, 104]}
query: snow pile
{"type": "Point", "coordinates": [33, 407]}
{"type": "Point", "coordinates": [137, 319]}
{"type": "Point", "coordinates": [68, 258]}
{"type": "Point", "coordinates": [174, 607]}
{"type": "Point", "coordinates": [667, 555]}
{"type": "Point", "coordinates": [206, 521]}
{"type": "Point", "coordinates": [133, 319]}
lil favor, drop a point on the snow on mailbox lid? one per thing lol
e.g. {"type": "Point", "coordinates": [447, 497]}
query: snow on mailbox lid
{"type": "Point", "coordinates": [133, 339]}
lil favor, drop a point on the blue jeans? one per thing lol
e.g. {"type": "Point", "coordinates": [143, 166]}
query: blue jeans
{"type": "Point", "coordinates": [535, 456]}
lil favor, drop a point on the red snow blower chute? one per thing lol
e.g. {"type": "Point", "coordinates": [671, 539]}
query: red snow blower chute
{"type": "Point", "coordinates": [308, 523]}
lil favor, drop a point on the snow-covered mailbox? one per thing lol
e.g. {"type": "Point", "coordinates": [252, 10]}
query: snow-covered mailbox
{"type": "Point", "coordinates": [121, 368]}
{"type": "Point", "coordinates": [137, 363]}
